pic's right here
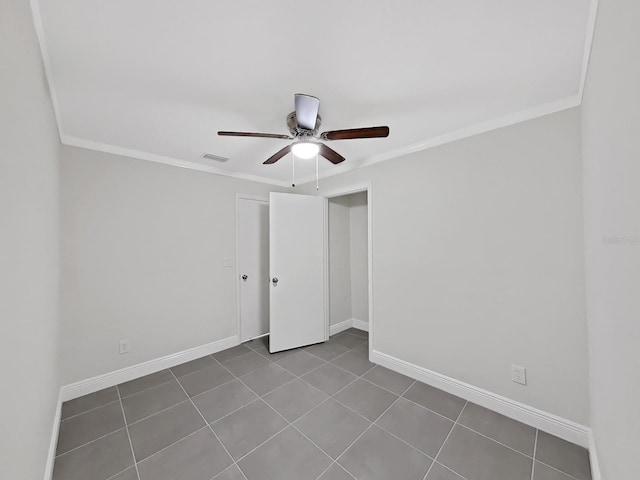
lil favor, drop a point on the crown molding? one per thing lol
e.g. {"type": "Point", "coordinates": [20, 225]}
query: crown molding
{"type": "Point", "coordinates": [152, 157]}
{"type": "Point", "coordinates": [46, 62]}
{"type": "Point", "coordinates": [528, 114]}
{"type": "Point", "coordinates": [483, 127]}
{"type": "Point", "coordinates": [588, 43]}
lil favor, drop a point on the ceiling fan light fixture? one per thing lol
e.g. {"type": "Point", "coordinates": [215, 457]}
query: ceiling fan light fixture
{"type": "Point", "coordinates": [305, 149]}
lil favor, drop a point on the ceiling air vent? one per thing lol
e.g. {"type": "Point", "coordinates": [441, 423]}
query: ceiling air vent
{"type": "Point", "coordinates": [217, 158]}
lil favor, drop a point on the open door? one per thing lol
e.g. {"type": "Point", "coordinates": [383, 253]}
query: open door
{"type": "Point", "coordinates": [296, 262]}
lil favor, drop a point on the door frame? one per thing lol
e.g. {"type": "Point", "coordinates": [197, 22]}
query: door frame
{"type": "Point", "coordinates": [339, 192]}
{"type": "Point", "coordinates": [257, 198]}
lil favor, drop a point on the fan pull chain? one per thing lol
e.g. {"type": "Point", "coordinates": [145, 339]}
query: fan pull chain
{"type": "Point", "coordinates": [316, 171]}
{"type": "Point", "coordinates": [293, 169]}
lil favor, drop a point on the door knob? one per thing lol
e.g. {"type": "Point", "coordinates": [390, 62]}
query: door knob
{"type": "Point", "coordinates": [275, 281]}
{"type": "Point", "coordinates": [244, 277]}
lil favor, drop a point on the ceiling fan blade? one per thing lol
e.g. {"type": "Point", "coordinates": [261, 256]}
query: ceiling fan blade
{"type": "Point", "coordinates": [367, 132]}
{"type": "Point", "coordinates": [306, 111]}
{"type": "Point", "coordinates": [253, 134]}
{"type": "Point", "coordinates": [330, 154]}
{"type": "Point", "coordinates": [278, 155]}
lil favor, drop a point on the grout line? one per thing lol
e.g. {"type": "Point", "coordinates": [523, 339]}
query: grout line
{"type": "Point", "coordinates": [535, 446]}
{"type": "Point", "coordinates": [452, 471]}
{"type": "Point", "coordinates": [369, 427]}
{"type": "Point", "coordinates": [144, 389]}
{"type": "Point", "coordinates": [172, 444]}
{"type": "Point", "coordinates": [90, 441]}
{"type": "Point", "coordinates": [290, 424]}
{"type": "Point", "coordinates": [155, 413]}
{"type": "Point", "coordinates": [133, 453]}
{"type": "Point", "coordinates": [207, 423]}
{"type": "Point", "coordinates": [445, 440]}
{"type": "Point", "coordinates": [120, 472]}
{"type": "Point", "coordinates": [557, 470]}
{"type": "Point", "coordinates": [494, 440]}
{"type": "Point", "coordinates": [89, 411]}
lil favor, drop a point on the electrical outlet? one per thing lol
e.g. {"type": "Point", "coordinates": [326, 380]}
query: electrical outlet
{"type": "Point", "coordinates": [125, 346]}
{"type": "Point", "coordinates": [519, 374]}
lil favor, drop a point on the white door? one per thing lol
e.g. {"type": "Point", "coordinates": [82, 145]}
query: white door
{"type": "Point", "coordinates": [296, 246]}
{"type": "Point", "coordinates": [253, 267]}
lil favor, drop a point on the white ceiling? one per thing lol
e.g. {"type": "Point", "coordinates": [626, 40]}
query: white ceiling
{"type": "Point", "coordinates": [157, 79]}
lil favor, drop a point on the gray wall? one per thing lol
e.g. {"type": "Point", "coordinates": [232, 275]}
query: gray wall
{"type": "Point", "coordinates": [611, 152]}
{"type": "Point", "coordinates": [358, 237]}
{"type": "Point", "coordinates": [348, 260]}
{"type": "Point", "coordinates": [28, 249]}
{"type": "Point", "coordinates": [478, 260]}
{"type": "Point", "coordinates": [339, 260]}
{"type": "Point", "coordinates": [143, 248]}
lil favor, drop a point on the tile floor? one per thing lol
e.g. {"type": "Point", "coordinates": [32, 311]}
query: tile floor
{"type": "Point", "coordinates": [322, 412]}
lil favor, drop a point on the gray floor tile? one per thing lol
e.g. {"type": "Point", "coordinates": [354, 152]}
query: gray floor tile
{"type": "Point", "coordinates": [438, 472]}
{"type": "Point", "coordinates": [262, 342]}
{"type": "Point", "coordinates": [362, 348]}
{"type": "Point", "coordinates": [248, 427]}
{"type": "Point", "coordinates": [129, 474]}
{"type": "Point", "coordinates": [197, 457]}
{"type": "Point", "coordinates": [388, 379]}
{"type": "Point", "coordinates": [267, 378]}
{"type": "Point", "coordinates": [89, 402]}
{"type": "Point", "coordinates": [329, 378]}
{"type": "Point", "coordinates": [478, 458]}
{"type": "Point", "coordinates": [441, 402]}
{"type": "Point", "coordinates": [274, 357]}
{"type": "Point", "coordinates": [355, 362]}
{"type": "Point", "coordinates": [300, 362]}
{"type": "Point", "coordinates": [356, 331]}
{"type": "Point", "coordinates": [162, 429]}
{"type": "Point", "coordinates": [332, 427]}
{"type": "Point", "coordinates": [377, 455]}
{"type": "Point", "coordinates": [417, 426]}
{"type": "Point", "coordinates": [366, 399]}
{"type": "Point", "coordinates": [97, 460]}
{"type": "Point", "coordinates": [230, 353]}
{"type": "Point", "coordinates": [349, 340]}
{"type": "Point", "coordinates": [295, 399]}
{"type": "Point", "coordinates": [544, 472]}
{"type": "Point", "coordinates": [215, 404]}
{"type": "Point", "coordinates": [287, 456]}
{"type": "Point", "coordinates": [139, 384]}
{"type": "Point", "coordinates": [205, 379]}
{"type": "Point", "coordinates": [83, 428]}
{"type": "Point", "coordinates": [246, 363]}
{"type": "Point", "coordinates": [146, 403]}
{"type": "Point", "coordinates": [564, 456]}
{"type": "Point", "coordinates": [231, 473]}
{"type": "Point", "coordinates": [264, 351]}
{"type": "Point", "coordinates": [193, 366]}
{"type": "Point", "coordinates": [512, 433]}
{"type": "Point", "coordinates": [335, 472]}
{"type": "Point", "coordinates": [327, 350]}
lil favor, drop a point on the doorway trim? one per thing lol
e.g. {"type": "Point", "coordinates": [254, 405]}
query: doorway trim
{"type": "Point", "coordinates": [236, 269]}
{"type": "Point", "coordinates": [339, 192]}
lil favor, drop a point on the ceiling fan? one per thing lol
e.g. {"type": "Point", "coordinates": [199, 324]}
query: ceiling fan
{"type": "Point", "coordinates": [303, 124]}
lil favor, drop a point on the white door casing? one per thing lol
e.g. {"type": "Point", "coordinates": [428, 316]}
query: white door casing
{"type": "Point", "coordinates": [297, 260]}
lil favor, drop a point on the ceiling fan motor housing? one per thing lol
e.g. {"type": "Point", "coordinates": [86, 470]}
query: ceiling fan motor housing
{"type": "Point", "coordinates": [302, 133]}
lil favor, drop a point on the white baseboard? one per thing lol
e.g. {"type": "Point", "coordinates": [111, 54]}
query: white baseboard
{"type": "Point", "coordinates": [340, 327]}
{"type": "Point", "coordinates": [593, 458]}
{"type": "Point", "coordinates": [90, 385]}
{"type": "Point", "coordinates": [345, 325]}
{"type": "Point", "coordinates": [360, 325]}
{"type": "Point", "coordinates": [547, 422]}
{"type": "Point", "coordinates": [53, 444]}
